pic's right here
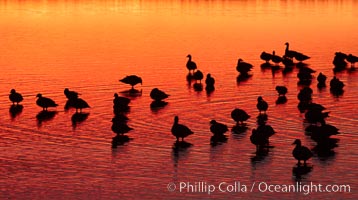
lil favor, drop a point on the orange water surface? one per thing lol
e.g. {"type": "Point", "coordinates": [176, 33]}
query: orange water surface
{"type": "Point", "coordinates": [87, 46]}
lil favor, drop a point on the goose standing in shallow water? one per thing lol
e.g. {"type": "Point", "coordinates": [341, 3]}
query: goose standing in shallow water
{"type": "Point", "coordinates": [190, 65]}
{"type": "Point", "coordinates": [45, 102]}
{"type": "Point", "coordinates": [132, 80]}
{"type": "Point", "coordinates": [261, 105]}
{"type": "Point", "coordinates": [15, 97]}
{"type": "Point", "coordinates": [301, 152]}
{"type": "Point", "coordinates": [70, 95]}
{"type": "Point", "coordinates": [179, 130]}
{"type": "Point", "coordinates": [80, 104]}
{"type": "Point", "coordinates": [218, 129]}
{"type": "Point", "coordinates": [239, 116]}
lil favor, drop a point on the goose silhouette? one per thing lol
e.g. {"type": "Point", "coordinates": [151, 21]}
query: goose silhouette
{"type": "Point", "coordinates": [217, 128]}
{"type": "Point", "coordinates": [294, 54]}
{"type": "Point", "coordinates": [287, 61]}
{"type": "Point", "coordinates": [282, 90]}
{"type": "Point", "coordinates": [261, 105]}
{"type": "Point", "coordinates": [15, 97]}
{"type": "Point", "coordinates": [239, 116]}
{"type": "Point", "coordinates": [301, 152]}
{"type": "Point", "coordinates": [132, 80]}
{"type": "Point", "coordinates": [158, 95]}
{"type": "Point", "coordinates": [179, 130]}
{"type": "Point", "coordinates": [120, 101]}
{"type": "Point", "coordinates": [339, 61]}
{"type": "Point", "coordinates": [336, 84]}
{"type": "Point", "coordinates": [80, 104]}
{"type": "Point", "coordinates": [352, 59]}
{"type": "Point", "coordinates": [321, 78]}
{"type": "Point", "coordinates": [45, 102]}
{"type": "Point", "coordinates": [198, 76]}
{"type": "Point", "coordinates": [301, 57]}
{"type": "Point", "coordinates": [316, 116]}
{"type": "Point", "coordinates": [275, 58]}
{"type": "Point", "coordinates": [243, 67]}
{"type": "Point", "coordinates": [265, 56]}
{"type": "Point", "coordinates": [209, 81]}
{"type": "Point", "coordinates": [190, 65]}
{"type": "Point", "coordinates": [305, 94]}
{"type": "Point", "coordinates": [70, 94]}
{"type": "Point", "coordinates": [265, 130]}
{"type": "Point", "coordinates": [258, 140]}
{"type": "Point", "coordinates": [289, 53]}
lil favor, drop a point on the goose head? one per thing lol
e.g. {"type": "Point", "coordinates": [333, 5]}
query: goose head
{"type": "Point", "coordinates": [39, 95]}
{"type": "Point", "coordinates": [176, 120]}
{"type": "Point", "coordinates": [13, 91]}
{"type": "Point", "coordinates": [213, 122]}
{"type": "Point", "coordinates": [297, 142]}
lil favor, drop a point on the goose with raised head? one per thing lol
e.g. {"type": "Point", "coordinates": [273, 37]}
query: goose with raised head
{"type": "Point", "coordinates": [45, 102]}
{"type": "Point", "coordinates": [190, 65]}
{"type": "Point", "coordinates": [275, 58]}
{"type": "Point", "coordinates": [132, 80]}
{"type": "Point", "coordinates": [301, 152]}
{"type": "Point", "coordinates": [180, 130]}
{"type": "Point", "coordinates": [239, 116]}
{"type": "Point", "coordinates": [289, 53]}
{"type": "Point", "coordinates": [261, 105]}
{"type": "Point", "coordinates": [266, 57]}
{"type": "Point", "coordinates": [15, 97]}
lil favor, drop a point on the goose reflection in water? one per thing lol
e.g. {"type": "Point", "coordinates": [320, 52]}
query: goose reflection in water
{"type": "Point", "coordinates": [259, 156]}
{"type": "Point", "coordinates": [15, 110]}
{"type": "Point", "coordinates": [44, 116]}
{"type": "Point", "coordinates": [180, 147]}
{"type": "Point", "coordinates": [299, 170]}
{"type": "Point", "coordinates": [131, 93]}
{"type": "Point", "coordinates": [78, 118]}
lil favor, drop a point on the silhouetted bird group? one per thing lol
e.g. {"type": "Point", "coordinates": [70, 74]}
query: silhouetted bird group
{"type": "Point", "coordinates": [318, 129]}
